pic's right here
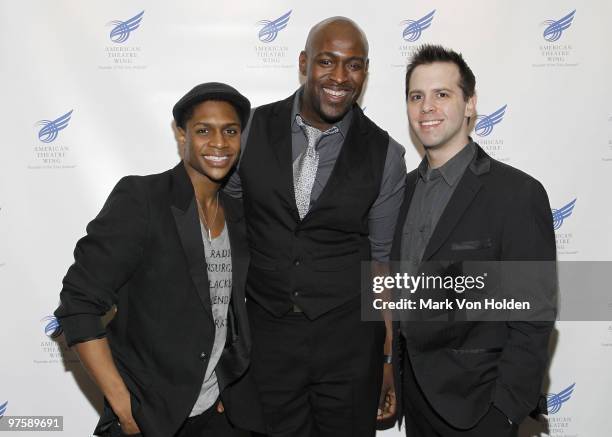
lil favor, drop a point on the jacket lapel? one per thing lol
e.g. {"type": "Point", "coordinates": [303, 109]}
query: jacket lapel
{"type": "Point", "coordinates": [184, 210]}
{"type": "Point", "coordinates": [468, 187]}
{"type": "Point", "coordinates": [281, 143]}
{"type": "Point", "coordinates": [235, 357]}
{"type": "Point", "coordinates": [234, 217]}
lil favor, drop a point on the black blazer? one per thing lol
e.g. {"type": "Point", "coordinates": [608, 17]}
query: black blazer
{"type": "Point", "coordinates": [496, 213]}
{"type": "Point", "coordinates": [144, 253]}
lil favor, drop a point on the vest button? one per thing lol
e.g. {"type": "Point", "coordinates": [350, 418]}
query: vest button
{"type": "Point", "coordinates": [296, 262]}
{"type": "Point", "coordinates": [296, 293]}
{"type": "Point", "coordinates": [203, 356]}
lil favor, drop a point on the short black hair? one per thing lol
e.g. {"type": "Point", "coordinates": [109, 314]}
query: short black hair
{"type": "Point", "coordinates": [430, 53]}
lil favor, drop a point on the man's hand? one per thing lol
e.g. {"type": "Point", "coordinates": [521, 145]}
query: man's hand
{"type": "Point", "coordinates": [387, 405]}
{"type": "Point", "coordinates": [97, 359]}
{"type": "Point", "coordinates": [123, 410]}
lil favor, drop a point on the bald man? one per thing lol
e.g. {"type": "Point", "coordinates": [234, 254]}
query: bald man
{"type": "Point", "coordinates": [322, 185]}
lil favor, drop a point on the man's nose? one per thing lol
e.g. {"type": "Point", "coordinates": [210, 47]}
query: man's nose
{"type": "Point", "coordinates": [216, 138]}
{"type": "Point", "coordinates": [427, 105]}
{"type": "Point", "coordinates": [339, 73]}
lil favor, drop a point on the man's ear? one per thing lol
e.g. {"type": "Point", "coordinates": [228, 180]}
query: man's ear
{"type": "Point", "coordinates": [181, 136]}
{"type": "Point", "coordinates": [303, 63]}
{"type": "Point", "coordinates": [470, 107]}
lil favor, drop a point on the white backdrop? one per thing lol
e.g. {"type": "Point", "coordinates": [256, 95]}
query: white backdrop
{"type": "Point", "coordinates": [121, 80]}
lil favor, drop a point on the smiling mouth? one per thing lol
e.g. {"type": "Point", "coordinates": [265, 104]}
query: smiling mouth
{"type": "Point", "coordinates": [430, 123]}
{"type": "Point", "coordinates": [217, 159]}
{"type": "Point", "coordinates": [336, 94]}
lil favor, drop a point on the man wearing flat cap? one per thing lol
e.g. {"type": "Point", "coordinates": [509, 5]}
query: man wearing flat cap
{"type": "Point", "coordinates": [169, 252]}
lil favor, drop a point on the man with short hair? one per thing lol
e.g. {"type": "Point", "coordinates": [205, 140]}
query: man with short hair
{"type": "Point", "coordinates": [322, 186]}
{"type": "Point", "coordinates": [469, 378]}
{"type": "Point", "coordinates": [168, 251]}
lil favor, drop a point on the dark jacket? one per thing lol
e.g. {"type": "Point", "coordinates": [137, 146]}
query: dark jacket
{"type": "Point", "coordinates": [497, 213]}
{"type": "Point", "coordinates": [144, 253]}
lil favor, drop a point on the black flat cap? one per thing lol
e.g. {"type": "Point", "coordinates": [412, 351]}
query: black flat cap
{"type": "Point", "coordinates": [212, 91]}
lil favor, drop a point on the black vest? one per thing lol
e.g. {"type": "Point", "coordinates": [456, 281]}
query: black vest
{"type": "Point", "coordinates": [314, 263]}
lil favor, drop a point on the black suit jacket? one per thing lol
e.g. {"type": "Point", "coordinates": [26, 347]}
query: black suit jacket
{"type": "Point", "coordinates": [144, 253]}
{"type": "Point", "coordinates": [496, 213]}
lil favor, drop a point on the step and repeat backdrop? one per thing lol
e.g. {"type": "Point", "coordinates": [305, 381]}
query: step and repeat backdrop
{"type": "Point", "coordinates": [86, 95]}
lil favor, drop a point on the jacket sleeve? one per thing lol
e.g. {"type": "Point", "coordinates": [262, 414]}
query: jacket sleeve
{"type": "Point", "coordinates": [528, 235]}
{"type": "Point", "coordinates": [104, 260]}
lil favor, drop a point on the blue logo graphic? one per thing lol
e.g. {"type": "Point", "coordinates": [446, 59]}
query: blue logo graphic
{"type": "Point", "coordinates": [556, 400]}
{"type": "Point", "coordinates": [270, 29]}
{"type": "Point", "coordinates": [414, 28]}
{"type": "Point", "coordinates": [3, 409]}
{"type": "Point", "coordinates": [50, 128]}
{"type": "Point", "coordinates": [52, 328]}
{"type": "Point", "coordinates": [485, 123]}
{"type": "Point", "coordinates": [121, 32]}
{"type": "Point", "coordinates": [562, 213]}
{"type": "Point", "coordinates": [555, 28]}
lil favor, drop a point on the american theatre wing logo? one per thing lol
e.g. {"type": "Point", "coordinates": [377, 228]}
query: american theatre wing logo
{"type": "Point", "coordinates": [3, 409]}
{"type": "Point", "coordinates": [53, 349]}
{"type": "Point", "coordinates": [122, 30]}
{"type": "Point", "coordinates": [124, 52]}
{"type": "Point", "coordinates": [51, 151]}
{"type": "Point", "coordinates": [557, 49]}
{"type": "Point", "coordinates": [52, 327]}
{"type": "Point", "coordinates": [271, 28]}
{"type": "Point", "coordinates": [414, 28]}
{"type": "Point", "coordinates": [559, 215]}
{"type": "Point", "coordinates": [556, 400]}
{"type": "Point", "coordinates": [485, 123]}
{"type": "Point", "coordinates": [555, 28]}
{"type": "Point", "coordinates": [50, 128]}
{"type": "Point", "coordinates": [269, 53]}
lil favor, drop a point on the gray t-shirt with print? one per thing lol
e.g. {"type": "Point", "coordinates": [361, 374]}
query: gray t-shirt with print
{"type": "Point", "coordinates": [219, 270]}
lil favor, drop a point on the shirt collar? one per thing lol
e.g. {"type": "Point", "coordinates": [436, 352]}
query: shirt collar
{"type": "Point", "coordinates": [453, 169]}
{"type": "Point", "coordinates": [342, 125]}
